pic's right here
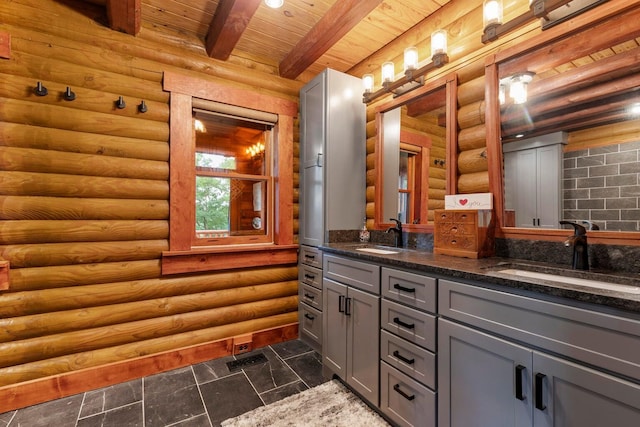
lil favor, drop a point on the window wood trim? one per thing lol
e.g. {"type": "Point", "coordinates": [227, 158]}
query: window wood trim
{"type": "Point", "coordinates": [181, 257]}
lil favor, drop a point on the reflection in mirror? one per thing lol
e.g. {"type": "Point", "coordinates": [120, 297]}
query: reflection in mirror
{"type": "Point", "coordinates": [590, 102]}
{"type": "Point", "coordinates": [412, 141]}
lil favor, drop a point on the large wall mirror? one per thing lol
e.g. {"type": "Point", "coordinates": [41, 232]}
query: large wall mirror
{"type": "Point", "coordinates": [414, 134]}
{"type": "Point", "coordinates": [572, 150]}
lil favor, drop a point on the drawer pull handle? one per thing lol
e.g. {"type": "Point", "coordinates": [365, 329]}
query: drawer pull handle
{"type": "Point", "coordinates": [402, 288]}
{"type": "Point", "coordinates": [310, 256]}
{"type": "Point", "coordinates": [309, 276]}
{"type": "Point", "coordinates": [519, 373]}
{"type": "Point", "coordinates": [397, 354]}
{"type": "Point", "coordinates": [347, 307]}
{"type": "Point", "coordinates": [539, 398]}
{"type": "Point", "coordinates": [397, 321]}
{"type": "Point", "coordinates": [309, 296]}
{"type": "Point", "coordinates": [402, 393]}
{"type": "Point", "coordinates": [308, 316]}
{"type": "Point", "coordinates": [341, 299]}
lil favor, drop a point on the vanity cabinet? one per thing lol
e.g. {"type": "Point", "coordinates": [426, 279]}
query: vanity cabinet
{"type": "Point", "coordinates": [497, 368]}
{"type": "Point", "coordinates": [408, 347]}
{"type": "Point", "coordinates": [332, 156]}
{"type": "Point", "coordinates": [310, 297]}
{"type": "Point", "coordinates": [351, 313]}
{"type": "Point", "coordinates": [532, 183]}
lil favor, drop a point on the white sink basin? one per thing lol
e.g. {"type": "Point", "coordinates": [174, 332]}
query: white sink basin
{"type": "Point", "coordinates": [378, 251]}
{"type": "Point", "coordinates": [571, 280]}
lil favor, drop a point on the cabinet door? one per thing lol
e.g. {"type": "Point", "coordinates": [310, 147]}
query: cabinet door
{"type": "Point", "coordinates": [334, 334]}
{"type": "Point", "coordinates": [363, 343]}
{"type": "Point", "coordinates": [521, 183]}
{"type": "Point", "coordinates": [482, 380]}
{"type": "Point", "coordinates": [312, 142]}
{"type": "Point", "coordinates": [570, 395]}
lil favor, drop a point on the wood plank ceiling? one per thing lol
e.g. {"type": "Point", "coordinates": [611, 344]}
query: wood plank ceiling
{"type": "Point", "coordinates": [303, 36]}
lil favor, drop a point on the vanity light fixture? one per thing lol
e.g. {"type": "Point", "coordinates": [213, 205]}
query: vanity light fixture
{"type": "Point", "coordinates": [274, 4]}
{"type": "Point", "coordinates": [413, 74]}
{"type": "Point", "coordinates": [516, 87]}
{"type": "Point", "coordinates": [551, 12]}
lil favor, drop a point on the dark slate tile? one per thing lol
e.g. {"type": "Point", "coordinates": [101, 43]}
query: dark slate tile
{"type": "Point", "coordinates": [107, 398]}
{"type": "Point", "coordinates": [171, 397]}
{"type": "Point", "coordinates": [282, 392]}
{"type": "Point", "coordinates": [6, 417]}
{"type": "Point", "coordinates": [60, 413]}
{"type": "Point", "coordinates": [308, 366]}
{"type": "Point", "coordinates": [290, 348]}
{"type": "Point", "coordinates": [229, 397]}
{"type": "Point", "coordinates": [199, 421]}
{"type": "Point", "coordinates": [270, 375]}
{"type": "Point", "coordinates": [212, 369]}
{"type": "Point", "coordinates": [124, 416]}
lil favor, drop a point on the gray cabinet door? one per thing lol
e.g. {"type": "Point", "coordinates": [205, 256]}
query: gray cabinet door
{"type": "Point", "coordinates": [363, 343]}
{"type": "Point", "coordinates": [334, 334]}
{"type": "Point", "coordinates": [570, 395]}
{"type": "Point", "coordinates": [483, 381]}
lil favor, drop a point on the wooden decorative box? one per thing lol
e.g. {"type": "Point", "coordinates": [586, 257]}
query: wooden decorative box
{"type": "Point", "coordinates": [464, 233]}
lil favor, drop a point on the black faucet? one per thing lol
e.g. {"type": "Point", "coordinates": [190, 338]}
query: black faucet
{"type": "Point", "coordinates": [397, 229]}
{"type": "Point", "coordinates": [578, 241]}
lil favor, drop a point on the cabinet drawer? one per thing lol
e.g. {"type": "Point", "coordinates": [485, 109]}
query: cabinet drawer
{"type": "Point", "coordinates": [310, 296]}
{"type": "Point", "coordinates": [412, 360]}
{"type": "Point", "coordinates": [457, 216]}
{"type": "Point", "coordinates": [404, 400]}
{"type": "Point", "coordinates": [358, 274]}
{"type": "Point", "coordinates": [310, 275]}
{"type": "Point", "coordinates": [413, 325]}
{"type": "Point", "coordinates": [311, 256]}
{"type": "Point", "coordinates": [608, 340]}
{"type": "Point", "coordinates": [310, 321]}
{"type": "Point", "coordinates": [408, 288]}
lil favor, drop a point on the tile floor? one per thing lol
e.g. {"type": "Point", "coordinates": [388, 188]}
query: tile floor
{"type": "Point", "coordinates": [199, 395]}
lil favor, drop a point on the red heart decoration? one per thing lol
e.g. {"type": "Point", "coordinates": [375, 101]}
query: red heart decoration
{"type": "Point", "coordinates": [463, 201]}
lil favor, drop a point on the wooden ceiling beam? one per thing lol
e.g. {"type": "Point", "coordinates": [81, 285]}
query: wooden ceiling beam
{"type": "Point", "coordinates": [229, 22]}
{"type": "Point", "coordinates": [124, 15]}
{"type": "Point", "coordinates": [335, 24]}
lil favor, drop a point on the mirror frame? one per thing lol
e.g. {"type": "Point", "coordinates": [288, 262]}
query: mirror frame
{"type": "Point", "coordinates": [517, 57]}
{"type": "Point", "coordinates": [450, 83]}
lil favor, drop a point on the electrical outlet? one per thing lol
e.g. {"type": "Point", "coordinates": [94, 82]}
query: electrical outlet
{"type": "Point", "coordinates": [242, 344]}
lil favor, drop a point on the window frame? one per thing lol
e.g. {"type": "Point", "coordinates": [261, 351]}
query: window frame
{"type": "Point", "coordinates": [182, 255]}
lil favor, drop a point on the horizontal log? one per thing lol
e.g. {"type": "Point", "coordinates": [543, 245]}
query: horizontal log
{"type": "Point", "coordinates": [21, 232]}
{"type": "Point", "coordinates": [371, 177]}
{"type": "Point", "coordinates": [59, 185]}
{"type": "Point", "coordinates": [80, 296]}
{"type": "Point", "coordinates": [50, 254]}
{"type": "Point", "coordinates": [62, 117]}
{"type": "Point", "coordinates": [29, 279]}
{"type": "Point", "coordinates": [22, 88]}
{"type": "Point", "coordinates": [31, 160]}
{"type": "Point", "coordinates": [371, 161]}
{"type": "Point", "coordinates": [371, 144]}
{"type": "Point", "coordinates": [436, 193]}
{"type": "Point", "coordinates": [471, 161]}
{"type": "Point", "coordinates": [620, 132]}
{"type": "Point", "coordinates": [370, 194]}
{"type": "Point", "coordinates": [423, 126]}
{"type": "Point", "coordinates": [437, 172]}
{"type": "Point", "coordinates": [473, 137]}
{"type": "Point", "coordinates": [370, 209]}
{"type": "Point", "coordinates": [88, 359]}
{"type": "Point", "coordinates": [47, 208]}
{"type": "Point", "coordinates": [471, 115]}
{"type": "Point", "coordinates": [371, 129]}
{"type": "Point", "coordinates": [437, 183]}
{"type": "Point", "coordinates": [471, 91]}
{"type": "Point", "coordinates": [24, 327]}
{"type": "Point", "coordinates": [44, 138]}
{"type": "Point", "coordinates": [435, 204]}
{"type": "Point", "coordinates": [46, 347]}
{"type": "Point", "coordinates": [477, 182]}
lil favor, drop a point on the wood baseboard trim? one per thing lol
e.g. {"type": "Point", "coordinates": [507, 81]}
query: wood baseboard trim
{"type": "Point", "coordinates": [29, 393]}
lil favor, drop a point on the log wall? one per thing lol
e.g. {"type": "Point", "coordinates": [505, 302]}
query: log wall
{"type": "Point", "coordinates": [84, 200]}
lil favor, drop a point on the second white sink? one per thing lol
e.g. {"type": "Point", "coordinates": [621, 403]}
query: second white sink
{"type": "Point", "coordinates": [378, 251]}
{"type": "Point", "coordinates": [571, 280]}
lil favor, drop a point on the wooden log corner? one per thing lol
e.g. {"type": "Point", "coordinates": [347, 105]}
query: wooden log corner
{"type": "Point", "coordinates": [4, 274]}
{"type": "Point", "coordinates": [5, 45]}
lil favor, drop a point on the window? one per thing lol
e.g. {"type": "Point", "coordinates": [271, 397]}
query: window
{"type": "Point", "coordinates": [231, 182]}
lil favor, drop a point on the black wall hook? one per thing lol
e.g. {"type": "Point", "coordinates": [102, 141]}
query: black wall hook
{"type": "Point", "coordinates": [40, 90]}
{"type": "Point", "coordinates": [120, 104]}
{"type": "Point", "coordinates": [142, 107]}
{"type": "Point", "coordinates": [69, 95]}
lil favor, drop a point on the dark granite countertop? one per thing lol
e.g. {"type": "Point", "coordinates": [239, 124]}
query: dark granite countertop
{"type": "Point", "coordinates": [487, 270]}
